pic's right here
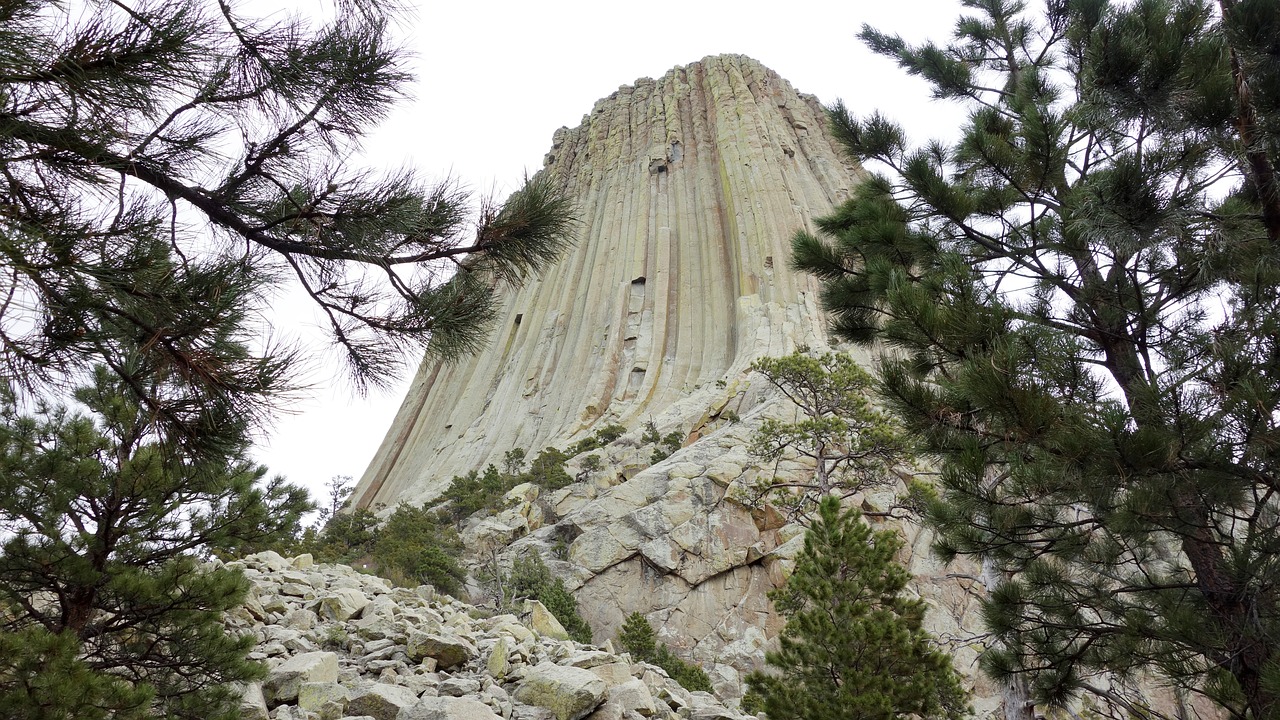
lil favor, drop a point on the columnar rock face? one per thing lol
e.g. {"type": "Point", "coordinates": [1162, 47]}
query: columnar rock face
{"type": "Point", "coordinates": [689, 188]}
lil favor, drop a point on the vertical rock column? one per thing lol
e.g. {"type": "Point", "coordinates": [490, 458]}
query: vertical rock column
{"type": "Point", "coordinates": [689, 189]}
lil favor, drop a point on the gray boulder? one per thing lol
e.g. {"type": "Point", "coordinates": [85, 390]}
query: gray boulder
{"type": "Point", "coordinates": [569, 693]}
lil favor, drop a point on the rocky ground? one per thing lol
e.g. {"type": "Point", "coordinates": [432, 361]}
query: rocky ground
{"type": "Point", "coordinates": [341, 644]}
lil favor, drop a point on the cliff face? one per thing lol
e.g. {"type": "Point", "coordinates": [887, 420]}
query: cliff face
{"type": "Point", "coordinates": [689, 189]}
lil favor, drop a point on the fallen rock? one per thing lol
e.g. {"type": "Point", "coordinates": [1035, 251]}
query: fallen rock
{"type": "Point", "coordinates": [341, 604]}
{"type": "Point", "coordinates": [447, 649]}
{"type": "Point", "coordinates": [541, 620]}
{"type": "Point", "coordinates": [253, 705]}
{"type": "Point", "coordinates": [569, 693]}
{"type": "Point", "coordinates": [448, 708]}
{"type": "Point", "coordinates": [633, 695]}
{"type": "Point", "coordinates": [284, 682]}
{"type": "Point", "coordinates": [381, 701]}
{"type": "Point", "coordinates": [327, 699]}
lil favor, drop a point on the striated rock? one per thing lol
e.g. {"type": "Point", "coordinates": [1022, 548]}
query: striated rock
{"type": "Point", "coordinates": [569, 693]}
{"type": "Point", "coordinates": [690, 188]}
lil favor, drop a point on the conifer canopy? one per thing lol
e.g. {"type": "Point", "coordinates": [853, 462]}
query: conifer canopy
{"type": "Point", "coordinates": [1079, 306]}
{"type": "Point", "coordinates": [854, 646]}
{"type": "Point", "coordinates": [167, 168]}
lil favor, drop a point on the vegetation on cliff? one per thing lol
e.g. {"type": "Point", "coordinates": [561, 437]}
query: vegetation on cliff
{"type": "Point", "coordinates": [1081, 304]}
{"type": "Point", "coordinates": [852, 446]}
{"type": "Point", "coordinates": [637, 637]}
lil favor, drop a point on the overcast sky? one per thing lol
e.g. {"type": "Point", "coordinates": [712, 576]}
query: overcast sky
{"type": "Point", "coordinates": [495, 79]}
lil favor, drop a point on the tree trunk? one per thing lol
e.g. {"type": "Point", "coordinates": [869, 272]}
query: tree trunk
{"type": "Point", "coordinates": [1234, 610]}
{"type": "Point", "coordinates": [1015, 691]}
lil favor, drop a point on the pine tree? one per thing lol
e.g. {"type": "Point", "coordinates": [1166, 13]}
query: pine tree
{"type": "Point", "coordinates": [637, 637]}
{"type": "Point", "coordinates": [853, 646]}
{"type": "Point", "coordinates": [166, 168]}
{"type": "Point", "coordinates": [852, 445]}
{"type": "Point", "coordinates": [1080, 302]}
{"type": "Point", "coordinates": [105, 607]}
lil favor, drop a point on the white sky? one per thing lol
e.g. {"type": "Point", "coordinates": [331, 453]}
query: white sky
{"type": "Point", "coordinates": [495, 79]}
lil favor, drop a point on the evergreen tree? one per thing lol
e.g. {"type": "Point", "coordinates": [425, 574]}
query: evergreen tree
{"type": "Point", "coordinates": [853, 646]}
{"type": "Point", "coordinates": [416, 546]}
{"type": "Point", "coordinates": [531, 578]}
{"type": "Point", "coordinates": [636, 636]}
{"type": "Point", "coordinates": [166, 168]}
{"type": "Point", "coordinates": [105, 609]}
{"type": "Point", "coordinates": [852, 445]}
{"type": "Point", "coordinates": [1081, 302]}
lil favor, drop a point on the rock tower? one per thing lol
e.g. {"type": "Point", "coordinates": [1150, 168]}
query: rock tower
{"type": "Point", "coordinates": [689, 189]}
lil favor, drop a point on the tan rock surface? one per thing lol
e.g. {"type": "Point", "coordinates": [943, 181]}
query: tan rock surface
{"type": "Point", "coordinates": [689, 189]}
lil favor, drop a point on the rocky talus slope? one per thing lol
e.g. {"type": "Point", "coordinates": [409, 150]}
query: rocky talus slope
{"type": "Point", "coordinates": [341, 644]}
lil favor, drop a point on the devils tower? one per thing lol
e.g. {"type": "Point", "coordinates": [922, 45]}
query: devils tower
{"type": "Point", "coordinates": [689, 188]}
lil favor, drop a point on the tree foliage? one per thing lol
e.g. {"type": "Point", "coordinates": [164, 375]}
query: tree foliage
{"type": "Point", "coordinates": [531, 578]}
{"type": "Point", "coordinates": [412, 546]}
{"type": "Point", "coordinates": [636, 636]}
{"type": "Point", "coordinates": [104, 605]}
{"type": "Point", "coordinates": [852, 445]}
{"type": "Point", "coordinates": [853, 645]}
{"type": "Point", "coordinates": [1079, 300]}
{"type": "Point", "coordinates": [166, 168]}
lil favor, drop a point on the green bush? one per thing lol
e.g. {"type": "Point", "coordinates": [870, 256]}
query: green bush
{"type": "Point", "coordinates": [651, 434]}
{"type": "Point", "coordinates": [547, 470]}
{"type": "Point", "coordinates": [416, 546]}
{"type": "Point", "coordinates": [637, 637]}
{"type": "Point", "coordinates": [602, 437]}
{"type": "Point", "coordinates": [667, 445]}
{"type": "Point", "coordinates": [531, 578]}
{"type": "Point", "coordinates": [345, 538]}
{"type": "Point", "coordinates": [469, 494]}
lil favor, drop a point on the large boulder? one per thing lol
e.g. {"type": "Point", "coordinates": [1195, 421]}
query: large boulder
{"type": "Point", "coordinates": [286, 679]}
{"type": "Point", "coordinates": [569, 693]}
{"type": "Point", "coordinates": [633, 695]}
{"type": "Point", "coordinates": [253, 705]}
{"type": "Point", "coordinates": [446, 648]}
{"type": "Point", "coordinates": [341, 604]}
{"type": "Point", "coordinates": [381, 701]}
{"type": "Point", "coordinates": [448, 708]}
{"type": "Point", "coordinates": [326, 699]}
{"type": "Point", "coordinates": [541, 620]}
